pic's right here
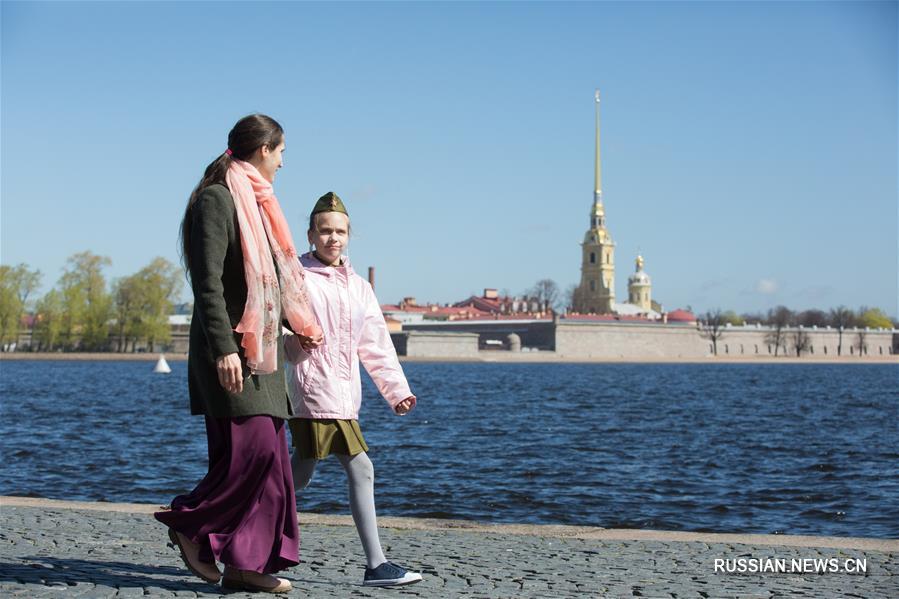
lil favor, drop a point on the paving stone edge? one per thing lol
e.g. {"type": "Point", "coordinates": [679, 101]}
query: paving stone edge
{"type": "Point", "coordinates": [542, 530]}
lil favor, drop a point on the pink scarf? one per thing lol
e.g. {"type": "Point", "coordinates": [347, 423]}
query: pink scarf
{"type": "Point", "coordinates": [266, 241]}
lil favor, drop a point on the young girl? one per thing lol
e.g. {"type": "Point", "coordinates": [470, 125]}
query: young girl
{"type": "Point", "coordinates": [324, 383]}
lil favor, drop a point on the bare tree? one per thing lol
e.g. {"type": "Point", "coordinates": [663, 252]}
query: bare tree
{"type": "Point", "coordinates": [813, 318]}
{"type": "Point", "coordinates": [571, 297]}
{"type": "Point", "coordinates": [711, 327]}
{"type": "Point", "coordinates": [861, 336]}
{"type": "Point", "coordinates": [778, 319]}
{"type": "Point", "coordinates": [546, 292]}
{"type": "Point", "coordinates": [800, 340]}
{"type": "Point", "coordinates": [841, 318]}
{"type": "Point", "coordinates": [752, 317]}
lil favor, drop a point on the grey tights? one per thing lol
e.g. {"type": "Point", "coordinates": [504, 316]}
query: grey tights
{"type": "Point", "coordinates": [361, 480]}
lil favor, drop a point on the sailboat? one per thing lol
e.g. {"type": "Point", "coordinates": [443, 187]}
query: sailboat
{"type": "Point", "coordinates": [162, 366]}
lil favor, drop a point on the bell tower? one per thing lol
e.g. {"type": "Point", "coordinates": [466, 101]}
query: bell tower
{"type": "Point", "coordinates": [596, 292]}
{"type": "Point", "coordinates": [639, 287]}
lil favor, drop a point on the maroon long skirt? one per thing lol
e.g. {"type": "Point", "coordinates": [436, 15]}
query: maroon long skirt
{"type": "Point", "coordinates": [244, 512]}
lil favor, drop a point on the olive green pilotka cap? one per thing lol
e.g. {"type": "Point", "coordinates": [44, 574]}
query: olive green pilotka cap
{"type": "Point", "coordinates": [330, 202]}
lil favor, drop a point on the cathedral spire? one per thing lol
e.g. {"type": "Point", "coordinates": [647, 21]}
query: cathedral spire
{"type": "Point", "coordinates": [596, 292]}
{"type": "Point", "coordinates": [597, 186]}
{"type": "Point", "coordinates": [597, 211]}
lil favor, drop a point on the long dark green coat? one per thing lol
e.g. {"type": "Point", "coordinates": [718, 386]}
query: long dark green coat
{"type": "Point", "coordinates": [220, 292]}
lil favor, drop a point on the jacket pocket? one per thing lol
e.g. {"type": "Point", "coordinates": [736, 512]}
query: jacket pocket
{"type": "Point", "coordinates": [311, 369]}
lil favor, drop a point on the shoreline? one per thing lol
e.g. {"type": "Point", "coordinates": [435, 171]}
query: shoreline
{"type": "Point", "coordinates": [483, 358]}
{"type": "Point", "coordinates": [90, 357]}
{"type": "Point", "coordinates": [559, 531]}
{"type": "Point", "coordinates": [549, 358]}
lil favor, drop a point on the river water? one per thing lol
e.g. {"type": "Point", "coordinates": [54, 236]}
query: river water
{"type": "Point", "coordinates": [753, 448]}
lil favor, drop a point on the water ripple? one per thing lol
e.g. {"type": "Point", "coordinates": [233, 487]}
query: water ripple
{"type": "Point", "coordinates": [796, 449]}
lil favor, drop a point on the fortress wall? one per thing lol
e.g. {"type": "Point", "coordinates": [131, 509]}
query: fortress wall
{"type": "Point", "coordinates": [749, 341]}
{"type": "Point", "coordinates": [611, 340]}
{"type": "Point", "coordinates": [533, 333]}
{"type": "Point", "coordinates": [615, 340]}
{"type": "Point", "coordinates": [441, 345]}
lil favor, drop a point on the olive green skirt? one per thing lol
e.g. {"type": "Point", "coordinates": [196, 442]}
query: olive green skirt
{"type": "Point", "coordinates": [317, 439]}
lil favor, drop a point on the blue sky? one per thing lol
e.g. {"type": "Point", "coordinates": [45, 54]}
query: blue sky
{"type": "Point", "coordinates": [749, 149]}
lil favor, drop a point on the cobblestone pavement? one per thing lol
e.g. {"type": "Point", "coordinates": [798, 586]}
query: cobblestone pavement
{"type": "Point", "coordinates": [57, 550]}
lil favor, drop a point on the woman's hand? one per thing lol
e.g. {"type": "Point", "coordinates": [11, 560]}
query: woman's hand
{"type": "Point", "coordinates": [310, 343]}
{"type": "Point", "coordinates": [230, 372]}
{"type": "Point", "coordinates": [404, 406]}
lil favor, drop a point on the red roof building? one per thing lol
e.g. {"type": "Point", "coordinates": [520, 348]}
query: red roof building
{"type": "Point", "coordinates": [680, 316]}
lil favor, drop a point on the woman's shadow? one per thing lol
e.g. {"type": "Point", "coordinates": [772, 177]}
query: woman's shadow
{"type": "Point", "coordinates": [44, 570]}
{"type": "Point", "coordinates": [58, 572]}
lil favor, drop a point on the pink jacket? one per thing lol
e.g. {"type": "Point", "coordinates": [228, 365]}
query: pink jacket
{"type": "Point", "coordinates": [325, 383]}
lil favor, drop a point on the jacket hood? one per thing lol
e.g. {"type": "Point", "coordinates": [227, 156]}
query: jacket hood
{"type": "Point", "coordinates": [311, 263]}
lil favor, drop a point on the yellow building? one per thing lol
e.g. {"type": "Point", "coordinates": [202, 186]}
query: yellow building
{"type": "Point", "coordinates": [596, 292]}
{"type": "Point", "coordinates": [639, 288]}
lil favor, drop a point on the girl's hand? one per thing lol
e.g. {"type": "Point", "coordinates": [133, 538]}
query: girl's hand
{"type": "Point", "coordinates": [404, 406]}
{"type": "Point", "coordinates": [310, 343]}
{"type": "Point", "coordinates": [230, 372]}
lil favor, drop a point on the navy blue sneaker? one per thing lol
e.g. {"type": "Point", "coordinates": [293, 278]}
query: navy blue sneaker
{"type": "Point", "coordinates": [389, 574]}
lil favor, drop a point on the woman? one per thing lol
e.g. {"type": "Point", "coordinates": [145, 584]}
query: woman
{"type": "Point", "coordinates": [247, 281]}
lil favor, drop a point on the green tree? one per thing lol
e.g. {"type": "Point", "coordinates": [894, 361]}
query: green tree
{"type": "Point", "coordinates": [87, 303]}
{"type": "Point", "coordinates": [9, 306]}
{"type": "Point", "coordinates": [873, 318]}
{"type": "Point", "coordinates": [128, 311]}
{"type": "Point", "coordinates": [73, 308]}
{"type": "Point", "coordinates": [730, 317]}
{"type": "Point", "coordinates": [16, 286]}
{"type": "Point", "coordinates": [49, 320]}
{"type": "Point", "coordinates": [159, 285]}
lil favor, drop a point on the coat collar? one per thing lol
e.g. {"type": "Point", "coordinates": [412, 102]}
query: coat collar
{"type": "Point", "coordinates": [311, 263]}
